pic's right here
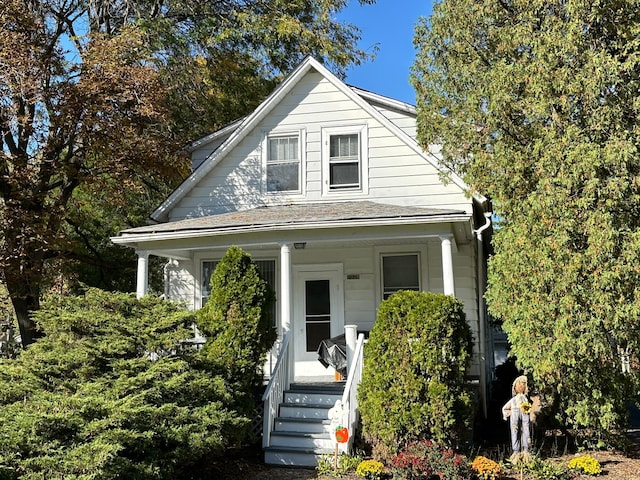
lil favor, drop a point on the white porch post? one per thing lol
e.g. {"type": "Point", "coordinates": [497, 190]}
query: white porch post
{"type": "Point", "coordinates": [350, 336]}
{"type": "Point", "coordinates": [285, 287]}
{"type": "Point", "coordinates": [285, 304]}
{"type": "Point", "coordinates": [447, 265]}
{"type": "Point", "coordinates": [142, 279]}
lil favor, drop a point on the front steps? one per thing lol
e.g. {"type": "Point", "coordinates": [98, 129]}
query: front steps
{"type": "Point", "coordinates": [302, 430]}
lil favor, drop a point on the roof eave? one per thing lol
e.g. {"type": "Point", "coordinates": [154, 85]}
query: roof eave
{"type": "Point", "coordinates": [136, 238]}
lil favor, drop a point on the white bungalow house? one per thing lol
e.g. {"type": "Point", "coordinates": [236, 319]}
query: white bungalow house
{"type": "Point", "coordinates": [326, 187]}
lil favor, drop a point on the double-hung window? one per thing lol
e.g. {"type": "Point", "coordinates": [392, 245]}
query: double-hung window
{"type": "Point", "coordinates": [345, 160]}
{"type": "Point", "coordinates": [400, 272]}
{"type": "Point", "coordinates": [283, 163]}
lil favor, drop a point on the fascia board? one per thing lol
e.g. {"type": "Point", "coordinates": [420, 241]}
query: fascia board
{"type": "Point", "coordinates": [133, 238]}
{"type": "Point", "coordinates": [241, 131]}
{"type": "Point", "coordinates": [226, 130]}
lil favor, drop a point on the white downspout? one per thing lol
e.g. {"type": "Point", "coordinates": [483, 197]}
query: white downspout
{"type": "Point", "coordinates": [481, 316]}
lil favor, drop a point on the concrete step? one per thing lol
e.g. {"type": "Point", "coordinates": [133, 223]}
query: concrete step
{"type": "Point", "coordinates": [302, 440]}
{"type": "Point", "coordinates": [302, 430]}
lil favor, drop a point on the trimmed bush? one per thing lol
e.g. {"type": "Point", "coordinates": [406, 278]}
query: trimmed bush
{"type": "Point", "coordinates": [109, 392]}
{"type": "Point", "coordinates": [413, 384]}
{"type": "Point", "coordinates": [237, 323]}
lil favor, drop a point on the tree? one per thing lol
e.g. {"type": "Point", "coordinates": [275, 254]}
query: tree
{"type": "Point", "coordinates": [535, 103]}
{"type": "Point", "coordinates": [237, 323]}
{"type": "Point", "coordinates": [95, 96]}
{"type": "Point", "coordinates": [111, 391]}
{"type": "Point", "coordinates": [413, 383]}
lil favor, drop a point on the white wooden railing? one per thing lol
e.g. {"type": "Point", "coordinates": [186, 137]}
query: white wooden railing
{"type": "Point", "coordinates": [349, 397]}
{"type": "Point", "coordinates": [280, 381]}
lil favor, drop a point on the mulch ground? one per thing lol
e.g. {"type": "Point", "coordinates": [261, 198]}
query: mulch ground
{"type": "Point", "coordinates": [615, 466]}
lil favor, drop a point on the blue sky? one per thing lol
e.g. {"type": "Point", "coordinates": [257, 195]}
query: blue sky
{"type": "Point", "coordinates": [390, 24]}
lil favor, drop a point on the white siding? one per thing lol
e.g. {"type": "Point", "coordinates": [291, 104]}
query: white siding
{"type": "Point", "coordinates": [362, 290]}
{"type": "Point", "coordinates": [181, 284]}
{"type": "Point", "coordinates": [405, 121]}
{"type": "Point", "coordinates": [397, 174]}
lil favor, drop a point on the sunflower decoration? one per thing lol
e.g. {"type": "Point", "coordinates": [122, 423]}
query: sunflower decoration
{"type": "Point", "coordinates": [525, 408]}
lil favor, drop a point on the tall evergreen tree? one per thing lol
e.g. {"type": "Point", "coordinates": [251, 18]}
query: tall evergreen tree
{"type": "Point", "coordinates": [536, 105]}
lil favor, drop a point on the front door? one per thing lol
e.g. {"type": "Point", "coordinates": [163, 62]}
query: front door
{"type": "Point", "coordinates": [318, 314]}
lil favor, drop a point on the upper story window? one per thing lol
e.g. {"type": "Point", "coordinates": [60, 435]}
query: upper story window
{"type": "Point", "coordinates": [345, 160]}
{"type": "Point", "coordinates": [283, 161]}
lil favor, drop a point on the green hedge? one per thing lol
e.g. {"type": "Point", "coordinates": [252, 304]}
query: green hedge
{"type": "Point", "coordinates": [109, 393]}
{"type": "Point", "coordinates": [415, 361]}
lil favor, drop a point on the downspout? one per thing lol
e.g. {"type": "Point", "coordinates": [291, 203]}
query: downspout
{"type": "Point", "coordinates": [481, 316]}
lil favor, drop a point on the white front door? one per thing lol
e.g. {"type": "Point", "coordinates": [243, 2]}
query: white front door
{"type": "Point", "coordinates": [318, 313]}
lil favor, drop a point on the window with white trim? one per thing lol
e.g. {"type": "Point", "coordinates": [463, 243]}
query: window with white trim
{"type": "Point", "coordinates": [283, 163]}
{"type": "Point", "coordinates": [267, 269]}
{"type": "Point", "coordinates": [400, 272]}
{"type": "Point", "coordinates": [344, 159]}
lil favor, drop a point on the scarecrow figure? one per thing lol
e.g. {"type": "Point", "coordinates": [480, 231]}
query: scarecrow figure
{"type": "Point", "coordinates": [518, 408]}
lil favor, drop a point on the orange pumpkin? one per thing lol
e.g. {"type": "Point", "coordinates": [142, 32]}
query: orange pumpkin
{"type": "Point", "coordinates": [342, 434]}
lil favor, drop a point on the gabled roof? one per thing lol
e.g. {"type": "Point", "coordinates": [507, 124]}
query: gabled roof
{"type": "Point", "coordinates": [244, 126]}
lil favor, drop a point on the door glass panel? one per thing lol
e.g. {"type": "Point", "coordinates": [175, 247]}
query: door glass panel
{"type": "Point", "coordinates": [317, 313]}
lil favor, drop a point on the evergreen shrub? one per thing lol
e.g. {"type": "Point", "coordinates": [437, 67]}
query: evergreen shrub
{"type": "Point", "coordinates": [110, 392]}
{"type": "Point", "coordinates": [237, 323]}
{"type": "Point", "coordinates": [413, 384]}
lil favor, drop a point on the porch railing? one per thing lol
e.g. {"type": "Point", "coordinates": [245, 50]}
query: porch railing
{"type": "Point", "coordinates": [349, 397]}
{"type": "Point", "coordinates": [274, 394]}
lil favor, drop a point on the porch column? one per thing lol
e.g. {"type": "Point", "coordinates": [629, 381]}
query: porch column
{"type": "Point", "coordinates": [350, 336]}
{"type": "Point", "coordinates": [285, 287]}
{"type": "Point", "coordinates": [447, 265]}
{"type": "Point", "coordinates": [142, 279]}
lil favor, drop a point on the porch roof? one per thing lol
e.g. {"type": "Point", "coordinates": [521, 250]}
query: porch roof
{"type": "Point", "coordinates": [294, 216]}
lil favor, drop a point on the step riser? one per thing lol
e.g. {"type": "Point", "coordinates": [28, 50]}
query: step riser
{"type": "Point", "coordinates": [296, 411]}
{"type": "Point", "coordinates": [292, 459]}
{"type": "Point", "coordinates": [304, 427]}
{"type": "Point", "coordinates": [301, 441]}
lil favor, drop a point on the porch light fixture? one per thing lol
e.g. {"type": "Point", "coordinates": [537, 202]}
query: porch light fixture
{"type": "Point", "coordinates": [299, 245]}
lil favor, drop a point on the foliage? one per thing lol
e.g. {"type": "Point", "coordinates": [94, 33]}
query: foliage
{"type": "Point", "coordinates": [486, 469]}
{"type": "Point", "coordinates": [414, 365]}
{"type": "Point", "coordinates": [110, 392]}
{"type": "Point", "coordinates": [345, 464]}
{"type": "Point", "coordinates": [370, 469]}
{"type": "Point", "coordinates": [544, 469]}
{"type": "Point", "coordinates": [97, 122]}
{"type": "Point", "coordinates": [585, 464]}
{"type": "Point", "coordinates": [425, 459]}
{"type": "Point", "coordinates": [95, 98]}
{"type": "Point", "coordinates": [237, 322]}
{"type": "Point", "coordinates": [536, 106]}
